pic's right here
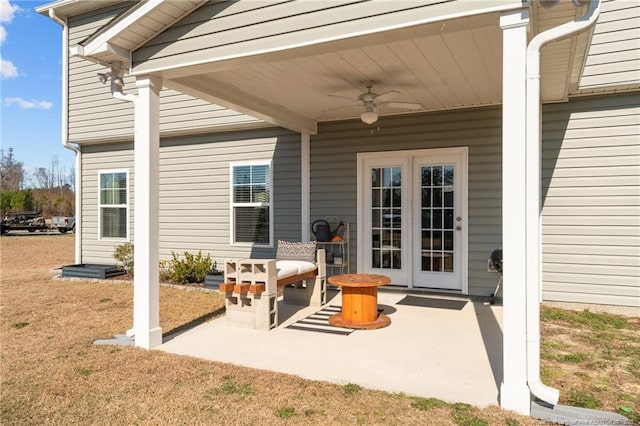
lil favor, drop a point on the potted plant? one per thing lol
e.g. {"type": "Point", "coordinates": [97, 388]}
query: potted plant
{"type": "Point", "coordinates": [214, 278]}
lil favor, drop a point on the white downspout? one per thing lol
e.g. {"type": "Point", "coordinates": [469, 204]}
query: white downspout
{"type": "Point", "coordinates": [533, 188]}
{"type": "Point", "coordinates": [65, 133]}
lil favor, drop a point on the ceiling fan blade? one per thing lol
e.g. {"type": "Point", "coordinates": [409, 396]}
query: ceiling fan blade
{"type": "Point", "coordinates": [383, 97]}
{"type": "Point", "coordinates": [350, 98]}
{"type": "Point", "coordinates": [403, 105]}
{"type": "Point", "coordinates": [359, 105]}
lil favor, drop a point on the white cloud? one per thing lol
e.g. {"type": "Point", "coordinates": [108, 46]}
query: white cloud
{"type": "Point", "coordinates": [24, 104]}
{"type": "Point", "coordinates": [7, 69]}
{"type": "Point", "coordinates": [8, 11]}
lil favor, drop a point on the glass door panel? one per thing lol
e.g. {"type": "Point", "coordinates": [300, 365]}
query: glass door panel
{"type": "Point", "coordinates": [438, 250]}
{"type": "Point", "coordinates": [437, 224]}
{"type": "Point", "coordinates": [386, 218]}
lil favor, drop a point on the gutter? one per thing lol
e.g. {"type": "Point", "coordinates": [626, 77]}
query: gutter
{"type": "Point", "coordinates": [65, 134]}
{"type": "Point", "coordinates": [533, 184]}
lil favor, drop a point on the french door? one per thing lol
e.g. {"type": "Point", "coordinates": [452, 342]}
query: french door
{"type": "Point", "coordinates": [413, 220]}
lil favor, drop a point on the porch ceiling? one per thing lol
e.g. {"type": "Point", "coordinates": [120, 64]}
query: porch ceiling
{"type": "Point", "coordinates": [434, 65]}
{"type": "Point", "coordinates": [440, 65]}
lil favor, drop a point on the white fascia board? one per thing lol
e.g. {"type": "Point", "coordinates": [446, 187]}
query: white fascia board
{"type": "Point", "coordinates": [237, 100]}
{"type": "Point", "coordinates": [102, 41]}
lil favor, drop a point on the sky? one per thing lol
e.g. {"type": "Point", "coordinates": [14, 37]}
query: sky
{"type": "Point", "coordinates": [31, 85]}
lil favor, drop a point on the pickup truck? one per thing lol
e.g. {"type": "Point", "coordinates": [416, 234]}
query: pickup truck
{"type": "Point", "coordinates": [63, 223]}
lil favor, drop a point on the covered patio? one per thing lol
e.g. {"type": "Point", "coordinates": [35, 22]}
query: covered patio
{"type": "Point", "coordinates": [297, 72]}
{"type": "Point", "coordinates": [449, 348]}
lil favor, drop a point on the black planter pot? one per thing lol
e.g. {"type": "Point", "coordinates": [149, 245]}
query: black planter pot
{"type": "Point", "coordinates": [213, 281]}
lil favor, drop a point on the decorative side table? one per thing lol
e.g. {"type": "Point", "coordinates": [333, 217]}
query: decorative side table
{"type": "Point", "coordinates": [359, 301]}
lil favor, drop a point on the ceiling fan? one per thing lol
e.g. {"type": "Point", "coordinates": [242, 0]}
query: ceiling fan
{"type": "Point", "coordinates": [371, 101]}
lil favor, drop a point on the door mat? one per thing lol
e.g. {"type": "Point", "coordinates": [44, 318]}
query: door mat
{"type": "Point", "coordinates": [319, 322]}
{"type": "Point", "coordinates": [429, 302]}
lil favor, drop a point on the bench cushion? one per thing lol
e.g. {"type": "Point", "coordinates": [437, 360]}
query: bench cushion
{"type": "Point", "coordinates": [288, 268]}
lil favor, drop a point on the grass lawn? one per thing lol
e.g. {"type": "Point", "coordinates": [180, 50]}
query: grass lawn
{"type": "Point", "coordinates": [51, 372]}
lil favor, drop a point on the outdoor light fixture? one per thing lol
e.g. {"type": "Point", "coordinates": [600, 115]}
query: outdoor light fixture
{"type": "Point", "coordinates": [369, 115]}
{"type": "Point", "coordinates": [103, 77]}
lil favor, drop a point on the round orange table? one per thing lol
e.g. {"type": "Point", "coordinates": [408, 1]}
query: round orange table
{"type": "Point", "coordinates": [359, 301]}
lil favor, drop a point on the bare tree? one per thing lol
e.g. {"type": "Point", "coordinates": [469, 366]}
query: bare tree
{"type": "Point", "coordinates": [11, 172]}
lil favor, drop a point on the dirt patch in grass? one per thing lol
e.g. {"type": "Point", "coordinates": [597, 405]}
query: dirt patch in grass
{"type": "Point", "coordinates": [52, 373]}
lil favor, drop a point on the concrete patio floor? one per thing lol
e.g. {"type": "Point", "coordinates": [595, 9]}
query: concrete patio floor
{"type": "Point", "coordinates": [441, 352]}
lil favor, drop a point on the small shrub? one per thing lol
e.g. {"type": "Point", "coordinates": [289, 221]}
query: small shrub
{"type": "Point", "coordinates": [124, 255]}
{"type": "Point", "coordinates": [191, 269]}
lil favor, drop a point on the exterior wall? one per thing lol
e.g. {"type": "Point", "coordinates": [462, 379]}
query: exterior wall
{"type": "Point", "coordinates": [95, 159]}
{"type": "Point", "coordinates": [231, 29]}
{"type": "Point", "coordinates": [614, 55]}
{"type": "Point", "coordinates": [94, 115]}
{"type": "Point", "coordinates": [591, 210]}
{"type": "Point", "coordinates": [591, 188]}
{"type": "Point", "coordinates": [194, 191]}
{"type": "Point", "coordinates": [334, 179]}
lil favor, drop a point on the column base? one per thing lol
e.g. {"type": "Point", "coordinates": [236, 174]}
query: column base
{"type": "Point", "coordinates": [515, 398]}
{"type": "Point", "coordinates": [149, 339]}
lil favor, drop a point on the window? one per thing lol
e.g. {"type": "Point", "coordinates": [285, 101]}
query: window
{"type": "Point", "coordinates": [251, 213]}
{"type": "Point", "coordinates": [113, 205]}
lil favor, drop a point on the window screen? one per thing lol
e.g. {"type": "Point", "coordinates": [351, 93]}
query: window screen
{"type": "Point", "coordinates": [113, 204]}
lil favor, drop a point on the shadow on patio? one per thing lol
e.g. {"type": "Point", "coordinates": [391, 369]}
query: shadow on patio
{"type": "Point", "coordinates": [436, 346]}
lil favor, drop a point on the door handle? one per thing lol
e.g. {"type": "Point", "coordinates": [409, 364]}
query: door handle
{"type": "Point", "coordinates": [458, 228]}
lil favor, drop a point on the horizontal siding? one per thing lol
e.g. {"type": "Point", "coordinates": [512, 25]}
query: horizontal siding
{"type": "Point", "coordinates": [334, 182]}
{"type": "Point", "coordinates": [591, 213]}
{"type": "Point", "coordinates": [94, 115]}
{"type": "Point", "coordinates": [613, 59]}
{"type": "Point", "coordinates": [194, 191]}
{"type": "Point", "coordinates": [95, 159]}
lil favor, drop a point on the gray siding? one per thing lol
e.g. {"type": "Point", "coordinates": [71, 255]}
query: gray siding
{"type": "Point", "coordinates": [95, 116]}
{"type": "Point", "coordinates": [591, 214]}
{"type": "Point", "coordinates": [194, 191]}
{"type": "Point", "coordinates": [614, 56]}
{"type": "Point", "coordinates": [334, 161]}
{"type": "Point", "coordinates": [230, 29]}
{"type": "Point", "coordinates": [94, 160]}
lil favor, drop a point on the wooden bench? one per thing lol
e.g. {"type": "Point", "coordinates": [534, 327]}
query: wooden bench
{"type": "Point", "coordinates": [251, 288]}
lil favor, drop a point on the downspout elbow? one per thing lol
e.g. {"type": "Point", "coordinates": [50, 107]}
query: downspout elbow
{"type": "Point", "coordinates": [537, 388]}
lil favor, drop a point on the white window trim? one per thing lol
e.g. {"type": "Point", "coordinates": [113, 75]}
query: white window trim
{"type": "Point", "coordinates": [232, 204]}
{"type": "Point", "coordinates": [126, 206]}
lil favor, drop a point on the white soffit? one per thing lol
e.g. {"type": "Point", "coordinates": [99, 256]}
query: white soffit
{"type": "Point", "coordinates": [115, 42]}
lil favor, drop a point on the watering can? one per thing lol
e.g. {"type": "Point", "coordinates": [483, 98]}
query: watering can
{"type": "Point", "coordinates": [321, 230]}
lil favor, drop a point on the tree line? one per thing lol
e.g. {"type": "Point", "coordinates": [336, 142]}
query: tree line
{"type": "Point", "coordinates": [48, 190]}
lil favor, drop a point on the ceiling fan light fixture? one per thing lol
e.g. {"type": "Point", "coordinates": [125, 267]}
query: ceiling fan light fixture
{"type": "Point", "coordinates": [369, 115]}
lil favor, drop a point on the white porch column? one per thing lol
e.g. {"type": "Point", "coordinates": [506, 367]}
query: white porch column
{"type": "Point", "coordinates": [514, 392]}
{"type": "Point", "coordinates": [146, 287]}
{"type": "Point", "coordinates": [305, 181]}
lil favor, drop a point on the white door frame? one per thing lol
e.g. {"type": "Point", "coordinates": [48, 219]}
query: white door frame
{"type": "Point", "coordinates": [389, 157]}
